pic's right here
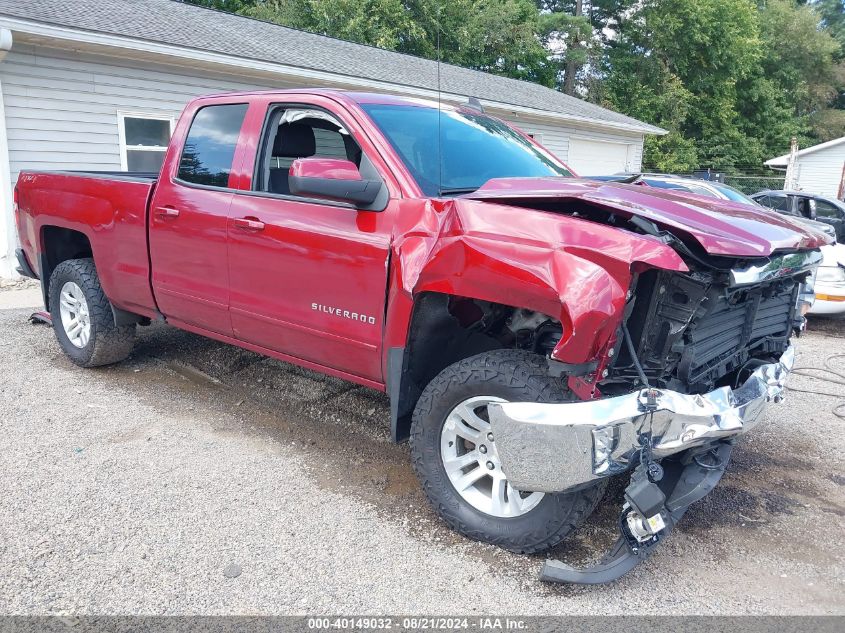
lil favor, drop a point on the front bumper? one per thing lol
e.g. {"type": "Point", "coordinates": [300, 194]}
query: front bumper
{"type": "Point", "coordinates": [555, 447]}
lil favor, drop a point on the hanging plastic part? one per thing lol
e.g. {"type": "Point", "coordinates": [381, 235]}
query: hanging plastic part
{"type": "Point", "coordinates": [41, 317]}
{"type": "Point", "coordinates": [682, 485]}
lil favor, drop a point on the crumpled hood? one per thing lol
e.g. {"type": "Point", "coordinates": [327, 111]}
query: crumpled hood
{"type": "Point", "coordinates": [720, 227]}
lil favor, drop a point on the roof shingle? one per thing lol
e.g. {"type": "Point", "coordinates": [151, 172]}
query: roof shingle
{"type": "Point", "coordinates": [175, 23]}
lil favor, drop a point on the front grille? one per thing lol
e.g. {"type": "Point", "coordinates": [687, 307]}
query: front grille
{"type": "Point", "coordinates": [731, 329]}
{"type": "Point", "coordinates": [691, 331]}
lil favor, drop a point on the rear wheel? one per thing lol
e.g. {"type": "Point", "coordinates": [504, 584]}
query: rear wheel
{"type": "Point", "coordinates": [455, 455]}
{"type": "Point", "coordinates": [82, 316]}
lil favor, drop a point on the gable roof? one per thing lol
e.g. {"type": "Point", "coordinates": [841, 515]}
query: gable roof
{"type": "Point", "coordinates": [177, 24]}
{"type": "Point", "coordinates": [781, 161]}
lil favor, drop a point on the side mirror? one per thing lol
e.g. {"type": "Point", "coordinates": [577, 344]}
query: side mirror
{"type": "Point", "coordinates": [331, 178]}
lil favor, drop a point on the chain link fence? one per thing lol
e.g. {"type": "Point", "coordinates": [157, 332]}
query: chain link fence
{"type": "Point", "coordinates": [753, 184]}
{"type": "Point", "coordinates": [748, 182]}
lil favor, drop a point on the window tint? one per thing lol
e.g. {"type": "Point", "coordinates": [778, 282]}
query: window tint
{"type": "Point", "coordinates": [732, 194]}
{"type": "Point", "coordinates": [781, 203]}
{"type": "Point", "coordinates": [701, 191]}
{"type": "Point", "coordinates": [805, 206]}
{"type": "Point", "coordinates": [473, 148]}
{"type": "Point", "coordinates": [210, 146]}
{"type": "Point", "coordinates": [663, 184]}
{"type": "Point", "coordinates": [827, 210]}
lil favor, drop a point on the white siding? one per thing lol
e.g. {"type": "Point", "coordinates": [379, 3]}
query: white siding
{"type": "Point", "coordinates": [556, 138]}
{"type": "Point", "coordinates": [61, 107]}
{"type": "Point", "coordinates": [819, 172]}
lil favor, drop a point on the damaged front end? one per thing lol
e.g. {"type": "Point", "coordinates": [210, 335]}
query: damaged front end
{"type": "Point", "coordinates": [703, 354]}
{"type": "Point", "coordinates": [557, 447]}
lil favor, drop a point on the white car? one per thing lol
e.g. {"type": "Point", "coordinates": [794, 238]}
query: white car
{"type": "Point", "coordinates": [830, 282]}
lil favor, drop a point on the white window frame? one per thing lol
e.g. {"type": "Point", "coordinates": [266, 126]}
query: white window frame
{"type": "Point", "coordinates": [537, 136]}
{"type": "Point", "coordinates": [121, 133]}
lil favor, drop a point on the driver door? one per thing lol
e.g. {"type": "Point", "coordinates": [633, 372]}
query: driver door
{"type": "Point", "coordinates": [308, 277]}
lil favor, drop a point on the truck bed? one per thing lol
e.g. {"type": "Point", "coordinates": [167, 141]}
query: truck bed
{"type": "Point", "coordinates": [109, 209]}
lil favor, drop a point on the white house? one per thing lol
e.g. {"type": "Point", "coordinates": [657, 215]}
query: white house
{"type": "Point", "coordinates": [818, 169]}
{"type": "Point", "coordinates": [98, 84]}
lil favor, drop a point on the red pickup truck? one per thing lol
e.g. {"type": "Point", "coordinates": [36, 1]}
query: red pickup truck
{"type": "Point", "coordinates": [536, 333]}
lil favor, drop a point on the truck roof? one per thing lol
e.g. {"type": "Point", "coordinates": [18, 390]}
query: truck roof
{"type": "Point", "coordinates": [357, 97]}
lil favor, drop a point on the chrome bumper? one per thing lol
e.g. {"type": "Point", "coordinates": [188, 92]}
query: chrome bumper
{"type": "Point", "coordinates": [554, 447]}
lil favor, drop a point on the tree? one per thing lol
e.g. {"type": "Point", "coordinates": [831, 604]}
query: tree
{"type": "Point", "coordinates": [568, 38]}
{"type": "Point", "coordinates": [832, 13]}
{"type": "Point", "coordinates": [798, 54]}
{"type": "Point", "coordinates": [677, 63]}
{"type": "Point", "coordinates": [383, 23]}
{"type": "Point", "coordinates": [496, 36]}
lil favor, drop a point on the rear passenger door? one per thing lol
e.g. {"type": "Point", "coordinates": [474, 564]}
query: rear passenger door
{"type": "Point", "coordinates": [189, 218]}
{"type": "Point", "coordinates": [308, 277]}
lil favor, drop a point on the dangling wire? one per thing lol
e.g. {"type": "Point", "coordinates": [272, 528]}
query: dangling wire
{"type": "Point", "coordinates": [828, 374]}
{"type": "Point", "coordinates": [645, 439]}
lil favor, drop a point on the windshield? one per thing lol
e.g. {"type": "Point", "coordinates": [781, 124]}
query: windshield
{"type": "Point", "coordinates": [732, 194]}
{"type": "Point", "coordinates": [475, 148]}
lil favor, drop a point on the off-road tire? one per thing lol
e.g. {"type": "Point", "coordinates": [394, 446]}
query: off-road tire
{"type": "Point", "coordinates": [108, 342]}
{"type": "Point", "coordinates": [514, 375]}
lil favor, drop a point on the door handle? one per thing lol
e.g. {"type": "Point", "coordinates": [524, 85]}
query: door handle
{"type": "Point", "coordinates": [166, 212]}
{"type": "Point", "coordinates": [250, 224]}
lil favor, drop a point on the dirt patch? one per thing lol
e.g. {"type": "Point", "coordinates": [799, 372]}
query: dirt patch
{"type": "Point", "coordinates": [827, 326]}
{"type": "Point", "coordinates": [19, 283]}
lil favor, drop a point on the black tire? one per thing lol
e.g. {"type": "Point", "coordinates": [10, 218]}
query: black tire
{"type": "Point", "coordinates": [513, 375]}
{"type": "Point", "coordinates": [108, 343]}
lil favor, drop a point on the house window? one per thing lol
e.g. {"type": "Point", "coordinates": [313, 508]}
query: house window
{"type": "Point", "coordinates": [143, 140]}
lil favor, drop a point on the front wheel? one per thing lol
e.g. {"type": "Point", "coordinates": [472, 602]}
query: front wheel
{"type": "Point", "coordinates": [82, 316]}
{"type": "Point", "coordinates": [455, 456]}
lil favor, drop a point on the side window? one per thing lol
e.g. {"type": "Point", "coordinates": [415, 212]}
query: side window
{"type": "Point", "coordinates": [143, 140]}
{"type": "Point", "coordinates": [805, 206]}
{"type": "Point", "coordinates": [701, 191]}
{"type": "Point", "coordinates": [301, 133]}
{"type": "Point", "coordinates": [827, 210]}
{"type": "Point", "coordinates": [781, 203]}
{"type": "Point", "coordinates": [210, 145]}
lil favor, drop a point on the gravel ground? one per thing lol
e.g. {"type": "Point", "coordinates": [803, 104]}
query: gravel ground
{"type": "Point", "coordinates": [197, 478]}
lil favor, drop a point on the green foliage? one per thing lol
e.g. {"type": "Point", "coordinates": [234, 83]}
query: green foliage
{"type": "Point", "coordinates": [731, 80]}
{"type": "Point", "coordinates": [832, 13]}
{"type": "Point", "coordinates": [736, 78]}
{"type": "Point", "coordinates": [383, 23]}
{"type": "Point", "coordinates": [496, 36]}
{"type": "Point", "coordinates": [798, 56]}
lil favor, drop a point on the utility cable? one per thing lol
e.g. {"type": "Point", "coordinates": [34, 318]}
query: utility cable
{"type": "Point", "coordinates": [828, 375]}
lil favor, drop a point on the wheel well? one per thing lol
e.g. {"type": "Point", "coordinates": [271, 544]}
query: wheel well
{"type": "Point", "coordinates": [445, 329]}
{"type": "Point", "coordinates": [58, 245]}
